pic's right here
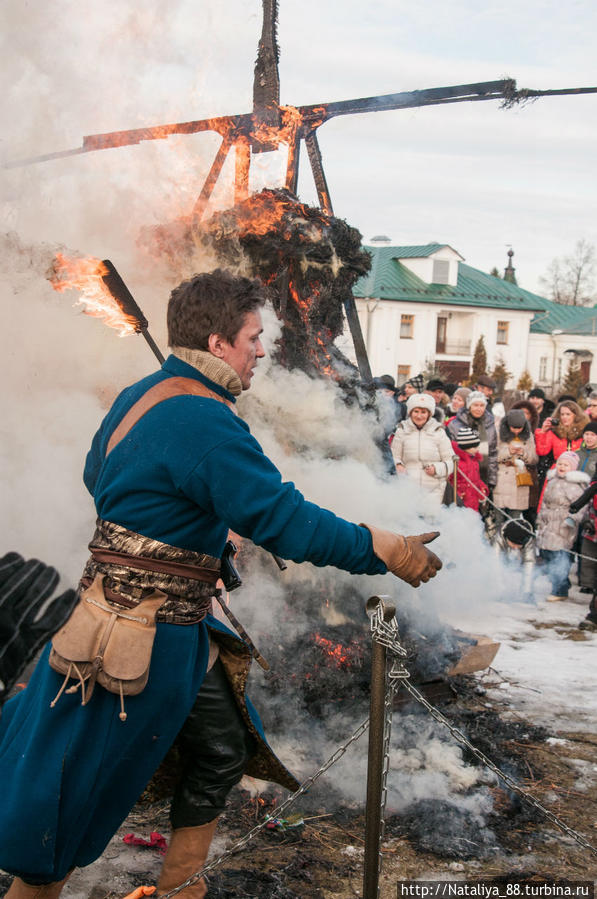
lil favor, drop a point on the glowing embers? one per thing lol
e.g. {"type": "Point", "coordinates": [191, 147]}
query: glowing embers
{"type": "Point", "coordinates": [86, 275]}
{"type": "Point", "coordinates": [346, 657]}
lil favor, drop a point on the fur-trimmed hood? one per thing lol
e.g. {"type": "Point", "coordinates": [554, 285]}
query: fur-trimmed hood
{"type": "Point", "coordinates": [573, 477]}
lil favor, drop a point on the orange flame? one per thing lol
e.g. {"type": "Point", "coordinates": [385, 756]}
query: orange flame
{"type": "Point", "coordinates": [85, 275]}
{"type": "Point", "coordinates": [341, 655]}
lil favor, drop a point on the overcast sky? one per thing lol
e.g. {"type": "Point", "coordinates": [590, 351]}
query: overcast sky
{"type": "Point", "coordinates": [470, 175]}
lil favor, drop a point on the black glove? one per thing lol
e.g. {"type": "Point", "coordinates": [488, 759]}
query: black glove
{"type": "Point", "coordinates": [28, 617]}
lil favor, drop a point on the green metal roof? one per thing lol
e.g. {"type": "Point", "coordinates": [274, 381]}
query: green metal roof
{"type": "Point", "coordinates": [569, 319]}
{"type": "Point", "coordinates": [420, 252]}
{"type": "Point", "coordinates": [390, 280]}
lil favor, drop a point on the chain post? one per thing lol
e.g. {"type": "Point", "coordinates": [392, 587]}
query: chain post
{"type": "Point", "coordinates": [378, 612]}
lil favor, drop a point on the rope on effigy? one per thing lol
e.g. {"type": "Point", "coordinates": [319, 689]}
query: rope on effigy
{"type": "Point", "coordinates": [507, 517]}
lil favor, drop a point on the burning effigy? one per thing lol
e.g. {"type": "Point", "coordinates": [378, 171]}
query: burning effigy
{"type": "Point", "coordinates": [308, 261]}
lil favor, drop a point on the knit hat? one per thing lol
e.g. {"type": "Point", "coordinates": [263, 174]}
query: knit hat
{"type": "Point", "coordinates": [570, 457]}
{"type": "Point", "coordinates": [592, 426]}
{"type": "Point", "coordinates": [475, 396]}
{"type": "Point", "coordinates": [418, 382]}
{"type": "Point", "coordinates": [516, 418]}
{"type": "Point", "coordinates": [462, 392]}
{"type": "Point", "coordinates": [467, 438]}
{"type": "Point", "coordinates": [387, 381]}
{"type": "Point", "coordinates": [517, 531]}
{"type": "Point", "coordinates": [435, 384]}
{"type": "Point", "coordinates": [420, 401]}
{"type": "Point", "coordinates": [536, 391]}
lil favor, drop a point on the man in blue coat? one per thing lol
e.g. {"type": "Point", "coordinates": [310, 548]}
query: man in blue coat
{"type": "Point", "coordinates": [171, 469]}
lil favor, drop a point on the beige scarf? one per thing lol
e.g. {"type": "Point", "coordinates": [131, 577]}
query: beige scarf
{"type": "Point", "coordinates": [213, 368]}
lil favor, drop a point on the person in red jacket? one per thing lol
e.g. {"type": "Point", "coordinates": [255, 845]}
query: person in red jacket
{"type": "Point", "coordinates": [470, 488]}
{"type": "Point", "coordinates": [562, 431]}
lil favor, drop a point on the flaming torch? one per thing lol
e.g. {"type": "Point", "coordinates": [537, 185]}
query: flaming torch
{"type": "Point", "coordinates": [103, 295]}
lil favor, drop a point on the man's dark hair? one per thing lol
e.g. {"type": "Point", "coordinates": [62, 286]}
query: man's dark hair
{"type": "Point", "coordinates": [211, 303]}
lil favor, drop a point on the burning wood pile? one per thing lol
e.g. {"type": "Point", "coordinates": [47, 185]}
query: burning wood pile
{"type": "Point", "coordinates": [308, 260]}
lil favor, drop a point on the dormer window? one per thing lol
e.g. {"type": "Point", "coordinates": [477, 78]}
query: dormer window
{"type": "Point", "coordinates": [433, 263]}
{"type": "Point", "coordinates": [441, 271]}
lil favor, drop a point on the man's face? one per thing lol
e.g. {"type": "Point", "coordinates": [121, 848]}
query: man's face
{"type": "Point", "coordinates": [437, 395]}
{"type": "Point", "coordinates": [590, 439]}
{"type": "Point", "coordinates": [592, 410]}
{"type": "Point", "coordinates": [242, 355]}
{"type": "Point", "coordinates": [487, 391]}
{"type": "Point", "coordinates": [409, 390]}
{"type": "Point", "coordinates": [537, 402]}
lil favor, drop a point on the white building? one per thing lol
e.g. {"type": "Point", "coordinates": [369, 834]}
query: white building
{"type": "Point", "coordinates": [422, 307]}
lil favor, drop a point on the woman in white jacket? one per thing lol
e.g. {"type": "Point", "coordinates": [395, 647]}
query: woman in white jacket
{"type": "Point", "coordinates": [421, 447]}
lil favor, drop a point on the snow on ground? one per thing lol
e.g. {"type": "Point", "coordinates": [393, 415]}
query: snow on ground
{"type": "Point", "coordinates": [548, 665]}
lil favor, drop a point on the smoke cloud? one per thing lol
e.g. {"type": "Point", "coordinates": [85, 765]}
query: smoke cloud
{"type": "Point", "coordinates": [64, 368]}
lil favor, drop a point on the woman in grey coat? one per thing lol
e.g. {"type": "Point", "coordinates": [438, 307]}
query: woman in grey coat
{"type": "Point", "coordinates": [477, 417]}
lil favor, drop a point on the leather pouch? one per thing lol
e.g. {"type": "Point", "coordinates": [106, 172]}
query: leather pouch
{"type": "Point", "coordinates": [107, 645]}
{"type": "Point", "coordinates": [524, 479]}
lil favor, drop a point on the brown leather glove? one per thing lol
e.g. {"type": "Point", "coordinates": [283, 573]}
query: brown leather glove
{"type": "Point", "coordinates": [406, 557]}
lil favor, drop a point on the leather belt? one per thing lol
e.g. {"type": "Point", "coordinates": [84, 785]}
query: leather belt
{"type": "Point", "coordinates": [162, 566]}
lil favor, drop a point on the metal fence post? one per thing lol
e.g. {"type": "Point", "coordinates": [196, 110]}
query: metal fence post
{"type": "Point", "coordinates": [375, 762]}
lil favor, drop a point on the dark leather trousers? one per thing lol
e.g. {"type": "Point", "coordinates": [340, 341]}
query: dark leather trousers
{"type": "Point", "coordinates": [215, 746]}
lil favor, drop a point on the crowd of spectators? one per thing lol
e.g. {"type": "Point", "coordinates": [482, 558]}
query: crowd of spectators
{"type": "Point", "coordinates": [530, 471]}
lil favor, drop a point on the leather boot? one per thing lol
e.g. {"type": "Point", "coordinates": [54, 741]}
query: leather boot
{"type": "Point", "coordinates": [21, 890]}
{"type": "Point", "coordinates": [186, 854]}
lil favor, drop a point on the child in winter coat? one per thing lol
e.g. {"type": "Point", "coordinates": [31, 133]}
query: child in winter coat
{"type": "Point", "coordinates": [588, 449]}
{"type": "Point", "coordinates": [421, 447]}
{"type": "Point", "coordinates": [470, 488]}
{"type": "Point", "coordinates": [516, 451]}
{"type": "Point", "coordinates": [556, 525]}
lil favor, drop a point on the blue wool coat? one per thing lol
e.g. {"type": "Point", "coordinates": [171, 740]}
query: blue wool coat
{"type": "Point", "coordinates": [186, 473]}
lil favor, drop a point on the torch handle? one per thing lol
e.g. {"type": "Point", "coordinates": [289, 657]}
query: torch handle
{"type": "Point", "coordinates": [154, 347]}
{"type": "Point", "coordinates": [279, 562]}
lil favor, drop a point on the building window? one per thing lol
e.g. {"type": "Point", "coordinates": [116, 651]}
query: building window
{"type": "Point", "coordinates": [441, 271]}
{"type": "Point", "coordinates": [559, 377]}
{"type": "Point", "coordinates": [406, 325]}
{"type": "Point", "coordinates": [543, 368]}
{"type": "Point", "coordinates": [502, 332]}
{"type": "Point", "coordinates": [403, 374]}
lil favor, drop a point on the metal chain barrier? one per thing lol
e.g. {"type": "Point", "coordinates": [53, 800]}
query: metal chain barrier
{"type": "Point", "coordinates": [459, 736]}
{"type": "Point", "coordinates": [387, 634]}
{"type": "Point", "coordinates": [401, 679]}
{"type": "Point", "coordinates": [304, 787]}
{"type": "Point", "coordinates": [507, 517]}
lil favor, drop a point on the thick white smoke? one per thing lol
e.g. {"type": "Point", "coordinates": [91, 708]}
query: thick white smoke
{"type": "Point", "coordinates": [62, 369]}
